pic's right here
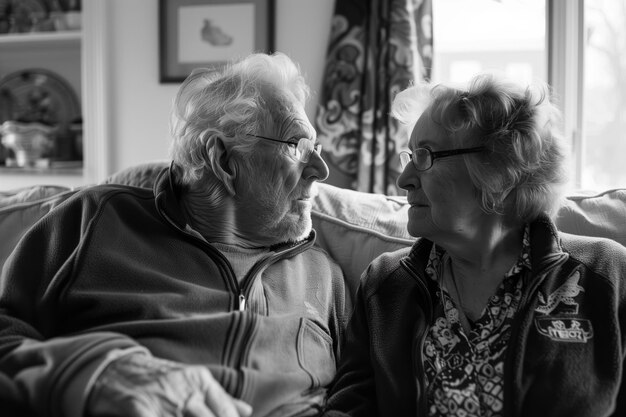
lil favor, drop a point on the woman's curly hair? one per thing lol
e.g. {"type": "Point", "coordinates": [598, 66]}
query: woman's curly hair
{"type": "Point", "coordinates": [523, 170]}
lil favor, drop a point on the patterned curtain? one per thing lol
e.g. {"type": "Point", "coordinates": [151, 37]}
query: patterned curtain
{"type": "Point", "coordinates": [376, 48]}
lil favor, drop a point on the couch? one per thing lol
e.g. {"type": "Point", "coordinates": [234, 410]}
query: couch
{"type": "Point", "coordinates": [353, 227]}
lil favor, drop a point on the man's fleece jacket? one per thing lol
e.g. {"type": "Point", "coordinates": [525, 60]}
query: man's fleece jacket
{"type": "Point", "coordinates": [114, 268]}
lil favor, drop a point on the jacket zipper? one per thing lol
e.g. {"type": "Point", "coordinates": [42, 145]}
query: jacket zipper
{"type": "Point", "coordinates": [418, 345]}
{"type": "Point", "coordinates": [242, 292]}
{"type": "Point", "coordinates": [248, 280]}
{"type": "Point", "coordinates": [249, 330]}
{"type": "Point", "coordinates": [242, 301]}
{"type": "Point", "coordinates": [232, 279]}
{"type": "Point", "coordinates": [233, 287]}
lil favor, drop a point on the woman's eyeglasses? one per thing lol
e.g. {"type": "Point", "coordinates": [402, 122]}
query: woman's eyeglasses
{"type": "Point", "coordinates": [423, 158]}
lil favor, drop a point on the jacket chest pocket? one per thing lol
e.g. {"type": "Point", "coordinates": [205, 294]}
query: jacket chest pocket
{"type": "Point", "coordinates": [297, 348]}
{"type": "Point", "coordinates": [315, 353]}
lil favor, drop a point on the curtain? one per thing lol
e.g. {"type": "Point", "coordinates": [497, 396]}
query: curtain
{"type": "Point", "coordinates": [376, 48]}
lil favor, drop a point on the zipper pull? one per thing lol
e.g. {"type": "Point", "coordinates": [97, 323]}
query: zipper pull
{"type": "Point", "coordinates": [242, 302]}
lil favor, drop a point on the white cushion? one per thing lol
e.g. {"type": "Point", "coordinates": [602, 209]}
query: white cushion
{"type": "Point", "coordinates": [600, 215]}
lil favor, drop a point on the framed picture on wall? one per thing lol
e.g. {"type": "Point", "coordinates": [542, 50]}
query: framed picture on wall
{"type": "Point", "coordinates": [207, 33]}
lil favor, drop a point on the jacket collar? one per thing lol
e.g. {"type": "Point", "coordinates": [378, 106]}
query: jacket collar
{"type": "Point", "coordinates": [167, 200]}
{"type": "Point", "coordinates": [545, 247]}
{"type": "Point", "coordinates": [167, 197]}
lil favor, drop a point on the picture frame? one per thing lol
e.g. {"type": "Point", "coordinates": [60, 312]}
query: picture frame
{"type": "Point", "coordinates": [208, 33]}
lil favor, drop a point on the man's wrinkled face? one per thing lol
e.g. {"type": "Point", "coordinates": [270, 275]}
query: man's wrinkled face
{"type": "Point", "coordinates": [274, 190]}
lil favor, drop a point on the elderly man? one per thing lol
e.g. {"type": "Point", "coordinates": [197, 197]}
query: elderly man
{"type": "Point", "coordinates": [203, 297]}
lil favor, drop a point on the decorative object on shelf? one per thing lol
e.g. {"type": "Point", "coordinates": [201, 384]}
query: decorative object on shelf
{"type": "Point", "coordinates": [73, 16]}
{"type": "Point", "coordinates": [30, 142]}
{"type": "Point", "coordinates": [23, 16]}
{"type": "Point", "coordinates": [207, 33]}
{"type": "Point", "coordinates": [41, 98]}
{"type": "Point", "coordinates": [5, 10]}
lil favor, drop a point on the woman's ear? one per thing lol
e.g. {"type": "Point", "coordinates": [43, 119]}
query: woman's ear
{"type": "Point", "coordinates": [222, 164]}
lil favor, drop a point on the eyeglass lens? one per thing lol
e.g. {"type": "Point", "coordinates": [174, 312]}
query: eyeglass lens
{"type": "Point", "coordinates": [305, 148]}
{"type": "Point", "coordinates": [422, 159]}
{"type": "Point", "coordinates": [405, 158]}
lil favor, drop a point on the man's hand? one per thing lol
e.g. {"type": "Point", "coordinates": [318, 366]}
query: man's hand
{"type": "Point", "coordinates": [138, 385]}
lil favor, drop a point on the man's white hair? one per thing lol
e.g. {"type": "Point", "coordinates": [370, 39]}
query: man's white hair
{"type": "Point", "coordinates": [241, 98]}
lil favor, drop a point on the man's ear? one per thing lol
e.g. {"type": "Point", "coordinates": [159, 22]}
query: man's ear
{"type": "Point", "coordinates": [221, 163]}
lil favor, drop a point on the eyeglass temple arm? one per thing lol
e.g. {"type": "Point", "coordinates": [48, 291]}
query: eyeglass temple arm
{"type": "Point", "coordinates": [456, 152]}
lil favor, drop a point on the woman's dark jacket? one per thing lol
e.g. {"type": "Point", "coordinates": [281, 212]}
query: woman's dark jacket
{"type": "Point", "coordinates": [566, 352]}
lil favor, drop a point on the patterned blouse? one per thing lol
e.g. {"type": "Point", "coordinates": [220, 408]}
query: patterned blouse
{"type": "Point", "coordinates": [465, 371]}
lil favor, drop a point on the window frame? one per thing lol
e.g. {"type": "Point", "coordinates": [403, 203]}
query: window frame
{"type": "Point", "coordinates": [565, 36]}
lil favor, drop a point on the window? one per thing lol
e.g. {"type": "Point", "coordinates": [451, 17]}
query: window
{"type": "Point", "coordinates": [604, 95]}
{"type": "Point", "coordinates": [488, 35]}
{"type": "Point", "coordinates": [576, 45]}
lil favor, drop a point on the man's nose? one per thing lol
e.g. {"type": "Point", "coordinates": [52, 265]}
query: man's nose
{"type": "Point", "coordinates": [316, 167]}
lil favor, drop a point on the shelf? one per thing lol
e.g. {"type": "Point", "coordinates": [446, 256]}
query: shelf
{"type": "Point", "coordinates": [48, 39]}
{"type": "Point", "coordinates": [69, 175]}
{"type": "Point", "coordinates": [14, 178]}
{"type": "Point", "coordinates": [81, 57]}
{"type": "Point", "coordinates": [59, 52]}
{"type": "Point", "coordinates": [68, 168]}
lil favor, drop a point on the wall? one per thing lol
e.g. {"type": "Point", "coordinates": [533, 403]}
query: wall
{"type": "Point", "coordinates": [139, 105]}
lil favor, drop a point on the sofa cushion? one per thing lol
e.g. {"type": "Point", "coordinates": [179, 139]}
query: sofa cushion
{"type": "Point", "coordinates": [25, 194]}
{"type": "Point", "coordinates": [20, 209]}
{"type": "Point", "coordinates": [355, 227]}
{"type": "Point", "coordinates": [600, 215]}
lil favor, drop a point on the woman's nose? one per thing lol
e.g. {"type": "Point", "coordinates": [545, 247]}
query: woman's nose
{"type": "Point", "coordinates": [408, 178]}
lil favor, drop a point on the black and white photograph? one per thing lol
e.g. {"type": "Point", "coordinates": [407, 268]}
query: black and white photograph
{"type": "Point", "coordinates": [312, 208]}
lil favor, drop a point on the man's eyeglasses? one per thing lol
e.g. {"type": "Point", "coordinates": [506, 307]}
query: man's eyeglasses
{"type": "Point", "coordinates": [303, 148]}
{"type": "Point", "coordinates": [423, 157]}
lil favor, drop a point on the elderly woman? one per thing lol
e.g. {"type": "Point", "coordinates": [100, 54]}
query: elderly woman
{"type": "Point", "coordinates": [493, 311]}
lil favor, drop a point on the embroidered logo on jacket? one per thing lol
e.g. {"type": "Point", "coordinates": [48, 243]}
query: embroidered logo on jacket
{"type": "Point", "coordinates": [565, 330]}
{"type": "Point", "coordinates": [565, 294]}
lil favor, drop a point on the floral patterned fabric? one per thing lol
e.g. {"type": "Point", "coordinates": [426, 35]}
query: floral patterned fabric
{"type": "Point", "coordinates": [465, 371]}
{"type": "Point", "coordinates": [376, 48]}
